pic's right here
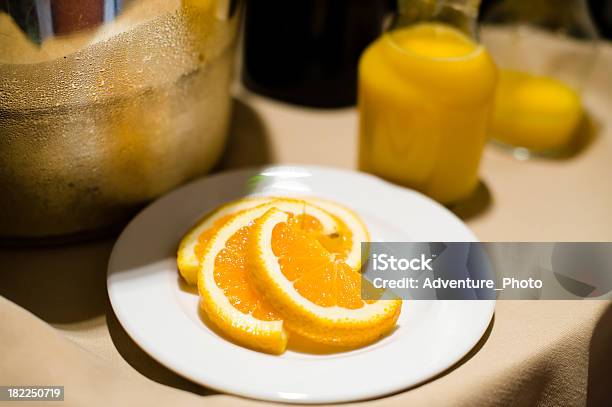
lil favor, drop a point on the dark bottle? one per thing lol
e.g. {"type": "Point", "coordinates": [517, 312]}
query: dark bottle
{"type": "Point", "coordinates": [306, 51]}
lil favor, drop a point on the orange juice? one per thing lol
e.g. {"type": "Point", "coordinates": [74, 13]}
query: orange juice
{"type": "Point", "coordinates": [535, 112]}
{"type": "Point", "coordinates": [425, 95]}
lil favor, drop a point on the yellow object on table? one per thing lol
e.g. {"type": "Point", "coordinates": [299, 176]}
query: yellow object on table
{"type": "Point", "coordinates": [425, 95]}
{"type": "Point", "coordinates": [535, 112]}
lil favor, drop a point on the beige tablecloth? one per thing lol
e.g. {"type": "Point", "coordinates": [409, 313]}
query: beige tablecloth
{"type": "Point", "coordinates": [57, 328]}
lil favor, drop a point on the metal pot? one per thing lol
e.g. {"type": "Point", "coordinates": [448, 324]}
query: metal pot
{"type": "Point", "coordinates": [99, 120]}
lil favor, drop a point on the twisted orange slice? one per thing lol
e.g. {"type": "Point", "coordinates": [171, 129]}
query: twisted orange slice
{"type": "Point", "coordinates": [192, 245]}
{"type": "Point", "coordinates": [341, 232]}
{"type": "Point", "coordinates": [227, 294]}
{"type": "Point", "coordinates": [317, 295]}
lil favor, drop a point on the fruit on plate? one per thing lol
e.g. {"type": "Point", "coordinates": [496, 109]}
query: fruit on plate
{"type": "Point", "coordinates": [342, 232]}
{"type": "Point", "coordinates": [193, 243]}
{"type": "Point", "coordinates": [271, 266]}
{"type": "Point", "coordinates": [316, 294]}
{"type": "Point", "coordinates": [227, 295]}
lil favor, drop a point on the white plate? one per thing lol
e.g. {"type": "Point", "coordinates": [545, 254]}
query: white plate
{"type": "Point", "coordinates": [162, 317]}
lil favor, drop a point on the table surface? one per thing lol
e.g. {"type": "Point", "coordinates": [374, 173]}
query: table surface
{"type": "Point", "coordinates": [546, 352]}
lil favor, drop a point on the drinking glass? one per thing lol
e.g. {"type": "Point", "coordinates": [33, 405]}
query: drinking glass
{"type": "Point", "coordinates": [545, 51]}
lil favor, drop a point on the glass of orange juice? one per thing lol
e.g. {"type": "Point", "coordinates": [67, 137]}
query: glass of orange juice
{"type": "Point", "coordinates": [545, 51]}
{"type": "Point", "coordinates": [426, 91]}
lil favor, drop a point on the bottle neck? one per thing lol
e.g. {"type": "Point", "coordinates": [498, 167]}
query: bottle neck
{"type": "Point", "coordinates": [460, 14]}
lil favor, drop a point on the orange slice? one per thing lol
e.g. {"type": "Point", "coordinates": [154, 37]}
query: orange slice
{"type": "Point", "coordinates": [193, 243]}
{"type": "Point", "coordinates": [341, 233]}
{"type": "Point", "coordinates": [227, 295]}
{"type": "Point", "coordinates": [317, 295]}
